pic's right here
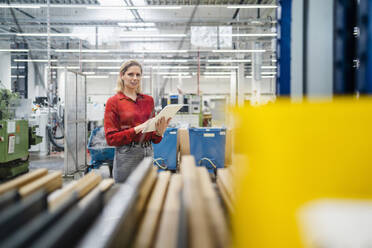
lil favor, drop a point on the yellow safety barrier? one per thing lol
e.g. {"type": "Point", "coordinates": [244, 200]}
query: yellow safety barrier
{"type": "Point", "coordinates": [298, 155]}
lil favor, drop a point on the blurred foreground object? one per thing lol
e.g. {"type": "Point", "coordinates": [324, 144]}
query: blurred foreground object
{"type": "Point", "coordinates": [305, 160]}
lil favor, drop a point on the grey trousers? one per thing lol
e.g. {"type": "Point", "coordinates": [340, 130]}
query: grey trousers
{"type": "Point", "coordinates": [127, 158]}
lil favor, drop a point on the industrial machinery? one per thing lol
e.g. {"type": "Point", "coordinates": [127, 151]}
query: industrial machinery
{"type": "Point", "coordinates": [16, 136]}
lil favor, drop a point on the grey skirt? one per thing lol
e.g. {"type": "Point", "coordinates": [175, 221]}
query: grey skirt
{"type": "Point", "coordinates": [127, 159]}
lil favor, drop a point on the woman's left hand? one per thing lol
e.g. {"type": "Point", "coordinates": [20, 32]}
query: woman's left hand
{"type": "Point", "coordinates": [161, 126]}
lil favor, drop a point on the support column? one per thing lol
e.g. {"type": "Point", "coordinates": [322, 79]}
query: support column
{"type": "Point", "coordinates": [364, 49]}
{"type": "Point", "coordinates": [284, 47]}
{"type": "Point", "coordinates": [319, 52]}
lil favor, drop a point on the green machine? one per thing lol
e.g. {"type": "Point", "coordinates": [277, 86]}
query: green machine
{"type": "Point", "coordinates": [16, 137]}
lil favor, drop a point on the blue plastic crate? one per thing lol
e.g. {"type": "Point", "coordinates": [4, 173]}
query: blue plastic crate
{"type": "Point", "coordinates": [165, 153]}
{"type": "Point", "coordinates": [102, 155]}
{"type": "Point", "coordinates": [207, 145]}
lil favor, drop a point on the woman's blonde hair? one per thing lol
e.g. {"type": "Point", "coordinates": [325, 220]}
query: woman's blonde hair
{"type": "Point", "coordinates": [123, 68]}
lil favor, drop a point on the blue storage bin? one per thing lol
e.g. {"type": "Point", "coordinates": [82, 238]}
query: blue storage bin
{"type": "Point", "coordinates": [165, 153]}
{"type": "Point", "coordinates": [99, 155]}
{"type": "Point", "coordinates": [207, 145]}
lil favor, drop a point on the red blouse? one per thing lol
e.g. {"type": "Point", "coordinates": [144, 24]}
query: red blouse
{"type": "Point", "coordinates": [122, 114]}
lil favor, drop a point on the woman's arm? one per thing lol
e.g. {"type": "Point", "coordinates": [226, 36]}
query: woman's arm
{"type": "Point", "coordinates": [114, 135]}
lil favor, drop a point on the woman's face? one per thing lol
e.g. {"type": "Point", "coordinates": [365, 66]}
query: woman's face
{"type": "Point", "coordinates": [132, 77]}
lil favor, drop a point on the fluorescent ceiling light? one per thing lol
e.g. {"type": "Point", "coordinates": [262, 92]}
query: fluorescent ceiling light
{"type": "Point", "coordinates": [149, 51]}
{"type": "Point", "coordinates": [144, 39]}
{"type": "Point", "coordinates": [117, 51]}
{"type": "Point", "coordinates": [239, 51]}
{"type": "Point", "coordinates": [229, 60]}
{"type": "Point", "coordinates": [161, 51]}
{"type": "Point", "coordinates": [268, 67]}
{"type": "Point", "coordinates": [14, 50]}
{"type": "Point", "coordinates": [66, 5]}
{"type": "Point", "coordinates": [17, 67]}
{"type": "Point", "coordinates": [88, 72]}
{"type": "Point", "coordinates": [63, 67]}
{"type": "Point", "coordinates": [261, 77]}
{"type": "Point", "coordinates": [17, 76]}
{"type": "Point", "coordinates": [216, 73]}
{"type": "Point", "coordinates": [216, 76]}
{"type": "Point", "coordinates": [146, 77]}
{"type": "Point", "coordinates": [221, 67]}
{"type": "Point", "coordinates": [99, 76]}
{"type": "Point", "coordinates": [120, 7]}
{"type": "Point", "coordinates": [274, 60]}
{"type": "Point", "coordinates": [137, 24]}
{"type": "Point", "coordinates": [37, 6]}
{"type": "Point", "coordinates": [182, 77]}
{"type": "Point", "coordinates": [250, 35]}
{"type": "Point", "coordinates": [165, 60]}
{"type": "Point", "coordinates": [78, 51]}
{"type": "Point", "coordinates": [268, 73]}
{"type": "Point", "coordinates": [20, 6]}
{"type": "Point", "coordinates": [170, 67]}
{"type": "Point", "coordinates": [172, 73]}
{"type": "Point", "coordinates": [252, 6]}
{"type": "Point", "coordinates": [35, 60]}
{"type": "Point", "coordinates": [152, 35]}
{"type": "Point", "coordinates": [46, 34]}
{"type": "Point", "coordinates": [108, 67]}
{"type": "Point", "coordinates": [101, 60]}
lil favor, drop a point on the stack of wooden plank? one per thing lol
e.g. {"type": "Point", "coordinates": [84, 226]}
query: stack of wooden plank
{"type": "Point", "coordinates": [162, 210]}
{"type": "Point", "coordinates": [150, 209]}
{"type": "Point", "coordinates": [35, 214]}
{"type": "Point", "coordinates": [226, 188]}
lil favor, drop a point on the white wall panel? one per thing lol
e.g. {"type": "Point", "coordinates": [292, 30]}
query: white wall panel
{"type": "Point", "coordinates": [5, 65]}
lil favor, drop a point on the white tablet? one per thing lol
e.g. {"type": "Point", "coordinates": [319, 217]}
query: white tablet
{"type": "Point", "coordinates": [168, 111]}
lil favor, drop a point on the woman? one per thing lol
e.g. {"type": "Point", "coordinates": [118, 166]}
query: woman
{"type": "Point", "coordinates": [126, 115]}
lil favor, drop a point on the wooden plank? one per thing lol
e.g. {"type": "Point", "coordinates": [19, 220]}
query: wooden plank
{"type": "Point", "coordinates": [87, 185]}
{"type": "Point", "coordinates": [82, 187]}
{"type": "Point", "coordinates": [228, 148]}
{"type": "Point", "coordinates": [145, 189]}
{"type": "Point", "coordinates": [106, 184]}
{"type": "Point", "coordinates": [200, 233]}
{"type": "Point", "coordinates": [57, 198]}
{"type": "Point", "coordinates": [114, 227]}
{"type": "Point", "coordinates": [225, 178]}
{"type": "Point", "coordinates": [215, 212]}
{"type": "Point", "coordinates": [49, 183]}
{"type": "Point", "coordinates": [167, 236]}
{"type": "Point", "coordinates": [68, 230]}
{"type": "Point", "coordinates": [22, 180]}
{"type": "Point", "coordinates": [224, 194]}
{"type": "Point", "coordinates": [183, 141]}
{"type": "Point", "coordinates": [145, 234]}
{"type": "Point", "coordinates": [8, 199]}
{"type": "Point", "coordinates": [16, 217]}
{"type": "Point", "coordinates": [25, 235]}
{"type": "Point", "coordinates": [101, 188]}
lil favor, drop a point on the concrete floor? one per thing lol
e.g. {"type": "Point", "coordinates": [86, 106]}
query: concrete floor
{"type": "Point", "coordinates": [52, 162]}
{"type": "Point", "coordinates": [55, 162]}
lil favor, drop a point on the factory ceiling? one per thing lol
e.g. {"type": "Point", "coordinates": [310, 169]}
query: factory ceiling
{"type": "Point", "coordinates": [96, 34]}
